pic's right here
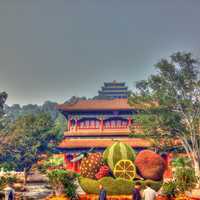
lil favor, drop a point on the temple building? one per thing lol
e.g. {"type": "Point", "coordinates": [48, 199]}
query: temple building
{"type": "Point", "coordinates": [113, 90]}
{"type": "Point", "coordinates": [98, 123]}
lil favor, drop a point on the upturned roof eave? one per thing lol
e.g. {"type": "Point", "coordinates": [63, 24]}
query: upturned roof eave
{"type": "Point", "coordinates": [95, 109]}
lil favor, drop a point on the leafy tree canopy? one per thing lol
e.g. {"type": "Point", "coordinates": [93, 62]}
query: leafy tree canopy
{"type": "Point", "coordinates": [29, 137]}
{"type": "Point", "coordinates": [173, 94]}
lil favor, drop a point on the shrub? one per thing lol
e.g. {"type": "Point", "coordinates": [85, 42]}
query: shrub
{"type": "Point", "coordinates": [51, 164]}
{"type": "Point", "coordinates": [63, 181]}
{"type": "Point", "coordinates": [54, 162]}
{"type": "Point", "coordinates": [7, 178]}
{"type": "Point", "coordinates": [169, 188]}
{"type": "Point", "coordinates": [150, 165]}
{"type": "Point", "coordinates": [156, 185]}
{"type": "Point", "coordinates": [134, 135]}
{"type": "Point", "coordinates": [185, 178]}
{"type": "Point", "coordinates": [181, 162]}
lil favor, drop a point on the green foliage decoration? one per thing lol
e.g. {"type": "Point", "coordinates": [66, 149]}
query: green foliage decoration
{"type": "Point", "coordinates": [113, 186]}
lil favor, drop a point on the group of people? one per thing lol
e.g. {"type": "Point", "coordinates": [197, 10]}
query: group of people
{"type": "Point", "coordinates": [148, 193]}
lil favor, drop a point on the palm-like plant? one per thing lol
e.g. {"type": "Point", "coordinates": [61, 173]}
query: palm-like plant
{"type": "Point", "coordinates": [181, 162]}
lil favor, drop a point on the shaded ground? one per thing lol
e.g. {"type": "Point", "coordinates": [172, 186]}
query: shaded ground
{"type": "Point", "coordinates": [36, 188]}
{"type": "Point", "coordinates": [36, 191]}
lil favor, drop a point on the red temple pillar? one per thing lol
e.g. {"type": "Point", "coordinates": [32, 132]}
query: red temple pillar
{"type": "Point", "coordinates": [129, 121]}
{"type": "Point", "coordinates": [101, 124]}
{"type": "Point", "coordinates": [66, 161]}
{"type": "Point", "coordinates": [75, 164]}
{"type": "Point", "coordinates": [76, 124]}
{"type": "Point", "coordinates": [69, 123]}
{"type": "Point", "coordinates": [67, 158]}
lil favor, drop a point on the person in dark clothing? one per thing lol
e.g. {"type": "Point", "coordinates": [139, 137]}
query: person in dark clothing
{"type": "Point", "coordinates": [102, 193]}
{"type": "Point", "coordinates": [136, 191]}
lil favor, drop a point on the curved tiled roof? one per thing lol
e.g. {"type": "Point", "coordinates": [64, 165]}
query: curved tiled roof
{"type": "Point", "coordinates": [96, 104]}
{"type": "Point", "coordinates": [102, 143]}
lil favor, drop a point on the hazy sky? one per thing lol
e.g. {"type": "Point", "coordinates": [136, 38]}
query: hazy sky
{"type": "Point", "coordinates": [53, 49]}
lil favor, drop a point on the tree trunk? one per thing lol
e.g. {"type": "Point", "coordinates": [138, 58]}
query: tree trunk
{"type": "Point", "coordinates": [59, 190]}
{"type": "Point", "coordinates": [25, 176]}
{"type": "Point", "coordinates": [197, 172]}
{"type": "Point", "coordinates": [191, 153]}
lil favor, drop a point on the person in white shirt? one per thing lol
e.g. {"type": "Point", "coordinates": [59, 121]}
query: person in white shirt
{"type": "Point", "coordinates": [149, 193]}
{"type": "Point", "coordinates": [9, 192]}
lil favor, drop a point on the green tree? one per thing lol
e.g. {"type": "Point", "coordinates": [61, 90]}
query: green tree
{"type": "Point", "coordinates": [29, 137]}
{"type": "Point", "coordinates": [3, 97]}
{"type": "Point", "coordinates": [171, 102]}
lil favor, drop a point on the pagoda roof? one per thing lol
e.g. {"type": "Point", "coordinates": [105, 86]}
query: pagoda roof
{"type": "Point", "coordinates": [97, 104]}
{"type": "Point", "coordinates": [102, 143]}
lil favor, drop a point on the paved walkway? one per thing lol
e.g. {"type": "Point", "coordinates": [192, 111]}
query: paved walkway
{"type": "Point", "coordinates": [37, 186]}
{"type": "Point", "coordinates": [37, 191]}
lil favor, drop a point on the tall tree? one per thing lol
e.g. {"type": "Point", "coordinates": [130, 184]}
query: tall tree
{"type": "Point", "coordinates": [3, 97]}
{"type": "Point", "coordinates": [29, 137]}
{"type": "Point", "coordinates": [171, 100]}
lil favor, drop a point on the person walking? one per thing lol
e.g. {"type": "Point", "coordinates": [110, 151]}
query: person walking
{"type": "Point", "coordinates": [149, 193]}
{"type": "Point", "coordinates": [102, 193]}
{"type": "Point", "coordinates": [9, 192]}
{"type": "Point", "coordinates": [136, 191]}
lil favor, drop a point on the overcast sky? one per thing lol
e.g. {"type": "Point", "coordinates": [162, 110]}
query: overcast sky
{"type": "Point", "coordinates": [54, 49]}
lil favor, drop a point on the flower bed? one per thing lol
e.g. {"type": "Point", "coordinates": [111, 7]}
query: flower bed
{"type": "Point", "coordinates": [116, 197]}
{"type": "Point", "coordinates": [113, 197]}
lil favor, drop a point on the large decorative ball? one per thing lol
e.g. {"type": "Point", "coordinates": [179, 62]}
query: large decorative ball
{"type": "Point", "coordinates": [150, 165]}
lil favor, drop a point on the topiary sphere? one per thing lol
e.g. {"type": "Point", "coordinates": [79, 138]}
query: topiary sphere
{"type": "Point", "coordinates": [91, 164]}
{"type": "Point", "coordinates": [118, 151]}
{"type": "Point", "coordinates": [150, 165]}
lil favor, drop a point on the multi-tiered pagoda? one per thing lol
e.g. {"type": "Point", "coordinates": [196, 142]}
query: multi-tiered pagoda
{"type": "Point", "coordinates": [112, 90]}
{"type": "Point", "coordinates": [98, 123]}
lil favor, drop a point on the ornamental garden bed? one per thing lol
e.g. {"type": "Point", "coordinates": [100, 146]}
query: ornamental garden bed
{"type": "Point", "coordinates": [117, 170]}
{"type": "Point", "coordinates": [120, 197]}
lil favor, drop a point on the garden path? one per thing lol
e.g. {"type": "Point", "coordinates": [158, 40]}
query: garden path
{"type": "Point", "coordinates": [37, 186]}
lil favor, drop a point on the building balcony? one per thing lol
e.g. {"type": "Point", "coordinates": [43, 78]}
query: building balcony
{"type": "Point", "coordinates": [103, 131]}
